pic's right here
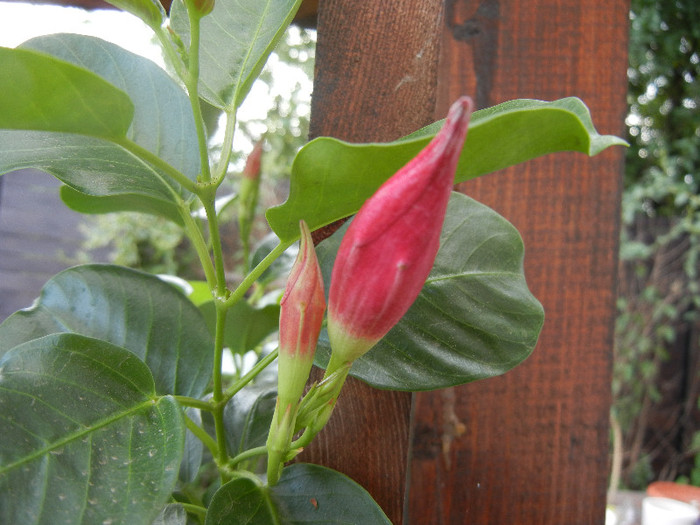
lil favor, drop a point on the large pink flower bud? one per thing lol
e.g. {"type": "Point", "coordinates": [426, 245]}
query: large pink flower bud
{"type": "Point", "coordinates": [390, 247]}
{"type": "Point", "coordinates": [301, 315]}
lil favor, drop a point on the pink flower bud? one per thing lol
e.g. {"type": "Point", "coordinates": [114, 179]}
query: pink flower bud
{"type": "Point", "coordinates": [390, 247]}
{"type": "Point", "coordinates": [301, 316]}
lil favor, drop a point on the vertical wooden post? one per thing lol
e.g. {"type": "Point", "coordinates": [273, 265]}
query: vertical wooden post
{"type": "Point", "coordinates": [375, 81]}
{"type": "Point", "coordinates": [532, 446]}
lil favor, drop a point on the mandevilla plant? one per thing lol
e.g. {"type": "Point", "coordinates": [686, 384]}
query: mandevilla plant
{"type": "Point", "coordinates": [114, 404]}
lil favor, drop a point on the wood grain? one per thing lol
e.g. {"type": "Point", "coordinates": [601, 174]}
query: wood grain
{"type": "Point", "coordinates": [532, 446]}
{"type": "Point", "coordinates": [375, 81]}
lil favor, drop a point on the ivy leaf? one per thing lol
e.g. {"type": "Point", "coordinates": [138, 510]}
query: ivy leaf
{"type": "Point", "coordinates": [474, 318]}
{"type": "Point", "coordinates": [70, 454]}
{"type": "Point", "coordinates": [46, 94]}
{"type": "Point", "coordinates": [331, 179]}
{"type": "Point", "coordinates": [128, 308]}
{"type": "Point", "coordinates": [305, 494]}
{"type": "Point", "coordinates": [237, 37]}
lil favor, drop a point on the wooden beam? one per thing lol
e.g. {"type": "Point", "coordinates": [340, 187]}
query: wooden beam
{"type": "Point", "coordinates": [532, 446]}
{"type": "Point", "coordinates": [376, 71]}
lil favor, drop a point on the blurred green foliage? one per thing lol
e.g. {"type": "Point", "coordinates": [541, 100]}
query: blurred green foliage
{"type": "Point", "coordinates": [660, 245]}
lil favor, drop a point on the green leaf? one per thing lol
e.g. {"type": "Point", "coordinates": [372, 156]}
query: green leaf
{"type": "Point", "coordinates": [475, 317]}
{"type": "Point", "coordinates": [91, 204]}
{"type": "Point", "coordinates": [331, 179]}
{"type": "Point", "coordinates": [246, 325]}
{"type": "Point", "coordinates": [90, 167]}
{"type": "Point", "coordinates": [84, 439]}
{"type": "Point", "coordinates": [128, 308]}
{"type": "Point", "coordinates": [236, 40]}
{"type": "Point", "coordinates": [163, 122]}
{"type": "Point", "coordinates": [46, 94]}
{"type": "Point", "coordinates": [305, 494]}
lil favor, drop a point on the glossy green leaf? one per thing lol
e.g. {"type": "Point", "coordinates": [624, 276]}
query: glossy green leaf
{"type": "Point", "coordinates": [236, 40]}
{"type": "Point", "coordinates": [90, 204]}
{"type": "Point", "coordinates": [43, 93]}
{"type": "Point", "coordinates": [84, 438]}
{"type": "Point", "coordinates": [306, 493]}
{"type": "Point", "coordinates": [163, 122]}
{"type": "Point", "coordinates": [246, 325]}
{"type": "Point", "coordinates": [331, 179]}
{"type": "Point", "coordinates": [475, 317]}
{"type": "Point", "coordinates": [128, 308]}
{"type": "Point", "coordinates": [91, 167]}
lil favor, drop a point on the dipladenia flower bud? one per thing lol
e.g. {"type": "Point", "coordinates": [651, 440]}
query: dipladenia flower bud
{"type": "Point", "coordinates": [390, 247]}
{"type": "Point", "coordinates": [301, 315]}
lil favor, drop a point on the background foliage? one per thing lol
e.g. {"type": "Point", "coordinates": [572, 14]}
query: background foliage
{"type": "Point", "coordinates": [656, 384]}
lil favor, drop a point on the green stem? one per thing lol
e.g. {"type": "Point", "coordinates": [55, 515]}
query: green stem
{"type": "Point", "coordinates": [218, 411]}
{"type": "Point", "coordinates": [192, 85]}
{"type": "Point", "coordinates": [256, 272]}
{"type": "Point", "coordinates": [170, 52]}
{"type": "Point", "coordinates": [198, 511]}
{"type": "Point", "coordinates": [216, 248]}
{"type": "Point", "coordinates": [194, 234]}
{"type": "Point", "coordinates": [252, 374]}
{"type": "Point", "coordinates": [155, 161]}
{"type": "Point", "coordinates": [226, 148]}
{"type": "Point", "coordinates": [251, 453]}
{"type": "Point", "coordinates": [202, 435]}
{"type": "Point", "coordinates": [194, 403]}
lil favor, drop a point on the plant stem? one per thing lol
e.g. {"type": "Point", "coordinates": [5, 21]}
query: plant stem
{"type": "Point", "coordinates": [226, 147]}
{"type": "Point", "coordinates": [256, 272]}
{"type": "Point", "coordinates": [198, 511]}
{"type": "Point", "coordinates": [252, 374]}
{"type": "Point", "coordinates": [218, 411]}
{"type": "Point", "coordinates": [215, 239]}
{"type": "Point", "coordinates": [192, 85]}
{"type": "Point", "coordinates": [194, 403]}
{"type": "Point", "coordinates": [202, 436]}
{"type": "Point", "coordinates": [251, 453]}
{"type": "Point", "coordinates": [194, 233]}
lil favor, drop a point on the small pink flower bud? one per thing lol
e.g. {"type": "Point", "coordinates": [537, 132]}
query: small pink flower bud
{"type": "Point", "coordinates": [390, 247]}
{"type": "Point", "coordinates": [301, 315]}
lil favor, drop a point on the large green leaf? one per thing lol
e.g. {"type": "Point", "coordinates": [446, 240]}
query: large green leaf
{"type": "Point", "coordinates": [43, 93]}
{"type": "Point", "coordinates": [236, 39]}
{"type": "Point", "coordinates": [163, 122]}
{"type": "Point", "coordinates": [331, 179]}
{"type": "Point", "coordinates": [131, 309]}
{"type": "Point", "coordinates": [475, 317]}
{"type": "Point", "coordinates": [84, 438]}
{"type": "Point", "coordinates": [305, 494]}
{"type": "Point", "coordinates": [101, 175]}
{"type": "Point", "coordinates": [92, 168]}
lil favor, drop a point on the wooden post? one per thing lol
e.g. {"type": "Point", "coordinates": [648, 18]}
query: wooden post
{"type": "Point", "coordinates": [532, 446]}
{"type": "Point", "coordinates": [375, 81]}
